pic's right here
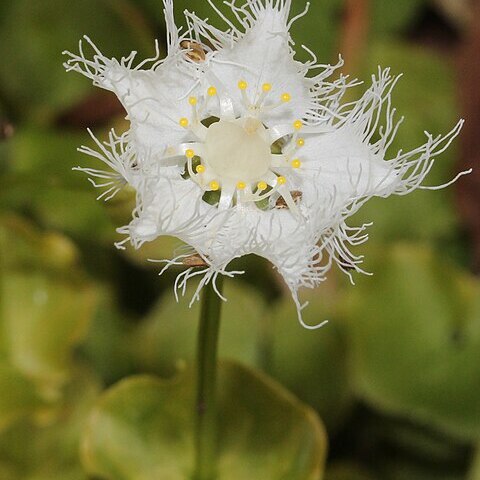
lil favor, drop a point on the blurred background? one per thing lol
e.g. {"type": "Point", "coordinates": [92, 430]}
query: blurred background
{"type": "Point", "coordinates": [395, 376]}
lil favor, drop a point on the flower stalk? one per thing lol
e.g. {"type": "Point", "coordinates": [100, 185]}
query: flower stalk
{"type": "Point", "coordinates": [206, 403]}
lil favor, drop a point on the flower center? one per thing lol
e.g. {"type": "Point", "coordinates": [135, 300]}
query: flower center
{"type": "Point", "coordinates": [237, 159]}
{"type": "Point", "coordinates": [238, 150]}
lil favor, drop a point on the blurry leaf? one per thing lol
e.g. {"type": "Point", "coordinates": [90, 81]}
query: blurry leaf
{"type": "Point", "coordinates": [33, 79]}
{"type": "Point", "coordinates": [415, 440]}
{"type": "Point", "coordinates": [411, 470]}
{"type": "Point", "coordinates": [71, 474]}
{"type": "Point", "coordinates": [41, 181]}
{"type": "Point", "coordinates": [474, 473]}
{"type": "Point", "coordinates": [108, 344]}
{"type": "Point", "coordinates": [29, 249]}
{"type": "Point", "coordinates": [143, 428]}
{"type": "Point", "coordinates": [18, 396]}
{"type": "Point", "coordinates": [415, 340]}
{"type": "Point", "coordinates": [46, 305]}
{"type": "Point", "coordinates": [427, 105]}
{"type": "Point", "coordinates": [42, 320]}
{"type": "Point", "coordinates": [345, 471]}
{"type": "Point", "coordinates": [393, 17]}
{"type": "Point", "coordinates": [48, 448]}
{"type": "Point", "coordinates": [44, 311]}
{"type": "Point", "coordinates": [312, 363]}
{"type": "Point", "coordinates": [167, 338]}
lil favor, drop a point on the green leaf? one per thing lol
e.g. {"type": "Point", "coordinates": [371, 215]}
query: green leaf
{"type": "Point", "coordinates": [18, 398]}
{"type": "Point", "coordinates": [53, 438]}
{"type": "Point", "coordinates": [33, 81]}
{"type": "Point", "coordinates": [346, 471]}
{"type": "Point", "coordinates": [415, 340]}
{"type": "Point", "coordinates": [312, 364]}
{"type": "Point", "coordinates": [30, 249]}
{"type": "Point", "coordinates": [474, 473]}
{"type": "Point", "coordinates": [168, 336]}
{"type": "Point", "coordinates": [412, 470]}
{"type": "Point", "coordinates": [42, 320]}
{"type": "Point", "coordinates": [142, 428]}
{"type": "Point", "coordinates": [270, 338]}
{"type": "Point", "coordinates": [40, 161]}
{"type": "Point", "coordinates": [45, 309]}
{"type": "Point", "coordinates": [427, 105]}
{"type": "Point", "coordinates": [393, 17]}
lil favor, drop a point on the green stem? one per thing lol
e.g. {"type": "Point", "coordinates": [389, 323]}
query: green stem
{"type": "Point", "coordinates": [206, 413]}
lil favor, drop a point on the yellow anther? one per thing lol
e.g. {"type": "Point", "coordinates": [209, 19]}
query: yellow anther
{"type": "Point", "coordinates": [266, 87]}
{"type": "Point", "coordinates": [300, 142]}
{"type": "Point", "coordinates": [242, 85]}
{"type": "Point", "coordinates": [286, 97]}
{"type": "Point", "coordinates": [297, 124]}
{"type": "Point", "coordinates": [184, 122]}
{"type": "Point", "coordinates": [200, 169]}
{"type": "Point", "coordinates": [262, 186]}
{"type": "Point", "coordinates": [189, 153]}
{"type": "Point", "coordinates": [193, 100]}
{"type": "Point", "coordinates": [241, 185]}
{"type": "Point", "coordinates": [214, 186]}
{"type": "Point", "coordinates": [281, 180]}
{"type": "Point", "coordinates": [296, 163]}
{"type": "Point", "coordinates": [212, 91]}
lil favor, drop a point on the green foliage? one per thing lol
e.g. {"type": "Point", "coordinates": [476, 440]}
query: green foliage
{"type": "Point", "coordinates": [345, 471]}
{"type": "Point", "coordinates": [405, 342]}
{"type": "Point", "coordinates": [32, 82]}
{"type": "Point", "coordinates": [47, 445]}
{"type": "Point", "coordinates": [423, 102]}
{"type": "Point", "coordinates": [142, 428]}
{"type": "Point", "coordinates": [390, 18]}
{"type": "Point", "coordinates": [429, 334]}
{"type": "Point", "coordinates": [44, 313]}
{"type": "Point", "coordinates": [161, 349]}
{"type": "Point", "coordinates": [312, 363]}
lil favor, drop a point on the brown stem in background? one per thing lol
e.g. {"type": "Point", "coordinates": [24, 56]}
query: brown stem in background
{"type": "Point", "coordinates": [355, 30]}
{"type": "Point", "coordinates": [468, 188]}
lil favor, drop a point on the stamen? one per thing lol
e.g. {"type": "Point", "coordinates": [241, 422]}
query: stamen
{"type": "Point", "coordinates": [301, 142]}
{"type": "Point", "coordinates": [189, 153]}
{"type": "Point", "coordinates": [262, 186]}
{"type": "Point", "coordinates": [214, 186]}
{"type": "Point", "coordinates": [184, 122]}
{"type": "Point", "coordinates": [296, 163]}
{"type": "Point", "coordinates": [242, 85]}
{"type": "Point", "coordinates": [212, 91]}
{"type": "Point", "coordinates": [193, 102]}
{"type": "Point", "coordinates": [286, 97]}
{"type": "Point", "coordinates": [281, 180]}
{"type": "Point", "coordinates": [298, 124]}
{"type": "Point", "coordinates": [241, 185]}
{"type": "Point", "coordinates": [266, 88]}
{"type": "Point", "coordinates": [200, 169]}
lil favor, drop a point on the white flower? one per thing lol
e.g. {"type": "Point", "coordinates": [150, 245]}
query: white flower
{"type": "Point", "coordinates": [235, 147]}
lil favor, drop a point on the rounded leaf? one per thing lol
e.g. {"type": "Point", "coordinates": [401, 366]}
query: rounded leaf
{"type": "Point", "coordinates": [415, 340]}
{"type": "Point", "coordinates": [142, 429]}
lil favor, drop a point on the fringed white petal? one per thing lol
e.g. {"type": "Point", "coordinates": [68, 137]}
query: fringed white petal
{"type": "Point", "coordinates": [259, 51]}
{"type": "Point", "coordinates": [151, 92]}
{"type": "Point", "coordinates": [333, 158]}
